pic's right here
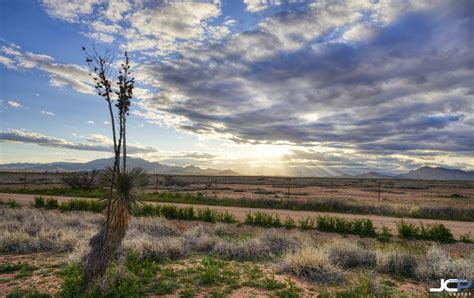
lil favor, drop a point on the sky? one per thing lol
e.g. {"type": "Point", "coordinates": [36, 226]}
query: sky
{"type": "Point", "coordinates": [277, 87]}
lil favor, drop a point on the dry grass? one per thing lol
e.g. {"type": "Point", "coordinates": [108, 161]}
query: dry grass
{"type": "Point", "coordinates": [438, 264]}
{"type": "Point", "coordinates": [348, 254]}
{"type": "Point", "coordinates": [396, 262]}
{"type": "Point", "coordinates": [311, 263]}
{"type": "Point", "coordinates": [26, 230]}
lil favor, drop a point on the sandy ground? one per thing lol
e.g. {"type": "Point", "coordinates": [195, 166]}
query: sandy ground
{"type": "Point", "coordinates": [457, 227]}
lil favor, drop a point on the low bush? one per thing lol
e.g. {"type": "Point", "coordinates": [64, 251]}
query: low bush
{"type": "Point", "coordinates": [435, 232]}
{"type": "Point", "coordinates": [437, 264]}
{"type": "Point", "coordinates": [313, 264]}
{"type": "Point", "coordinates": [82, 205]}
{"type": "Point", "coordinates": [396, 262]}
{"type": "Point", "coordinates": [362, 227]}
{"type": "Point", "coordinates": [12, 203]}
{"type": "Point", "coordinates": [263, 220]}
{"type": "Point", "coordinates": [39, 202]}
{"type": "Point", "coordinates": [306, 223]}
{"type": "Point", "coordinates": [52, 203]}
{"type": "Point", "coordinates": [289, 223]}
{"type": "Point", "coordinates": [347, 254]}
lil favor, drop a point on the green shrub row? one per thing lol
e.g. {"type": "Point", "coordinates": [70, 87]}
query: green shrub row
{"type": "Point", "coordinates": [185, 213]}
{"type": "Point", "coordinates": [69, 205]}
{"type": "Point", "coordinates": [362, 227]}
{"type": "Point", "coordinates": [435, 232]}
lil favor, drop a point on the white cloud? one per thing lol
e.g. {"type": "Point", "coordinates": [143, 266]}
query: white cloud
{"type": "Point", "coordinates": [116, 9]}
{"type": "Point", "coordinates": [48, 113]}
{"type": "Point", "coordinates": [99, 143]}
{"type": "Point", "coordinates": [69, 10]}
{"type": "Point", "coordinates": [98, 138]}
{"type": "Point", "coordinates": [259, 5]}
{"type": "Point", "coordinates": [90, 122]}
{"type": "Point", "coordinates": [14, 104]}
{"type": "Point", "coordinates": [7, 62]}
{"type": "Point", "coordinates": [74, 76]}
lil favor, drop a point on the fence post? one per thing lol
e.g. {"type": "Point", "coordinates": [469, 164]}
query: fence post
{"type": "Point", "coordinates": [379, 193]}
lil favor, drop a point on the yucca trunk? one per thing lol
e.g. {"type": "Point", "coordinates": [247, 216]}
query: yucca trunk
{"type": "Point", "coordinates": [105, 243]}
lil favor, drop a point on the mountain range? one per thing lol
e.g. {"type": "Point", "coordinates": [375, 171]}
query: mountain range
{"type": "Point", "coordinates": [150, 167]}
{"type": "Point", "coordinates": [423, 173]}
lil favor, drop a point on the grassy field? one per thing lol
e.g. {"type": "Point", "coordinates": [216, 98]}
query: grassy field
{"type": "Point", "coordinates": [41, 252]}
{"type": "Point", "coordinates": [206, 251]}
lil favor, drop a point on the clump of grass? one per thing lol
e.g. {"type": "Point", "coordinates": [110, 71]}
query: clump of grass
{"type": "Point", "coordinates": [348, 255]}
{"type": "Point", "coordinates": [306, 223]}
{"type": "Point", "coordinates": [289, 223]}
{"type": "Point", "coordinates": [436, 232]}
{"type": "Point", "coordinates": [311, 263]}
{"type": "Point", "coordinates": [10, 267]}
{"type": "Point", "coordinates": [17, 292]}
{"type": "Point", "coordinates": [396, 262]}
{"type": "Point", "coordinates": [437, 264]}
{"type": "Point", "coordinates": [384, 235]}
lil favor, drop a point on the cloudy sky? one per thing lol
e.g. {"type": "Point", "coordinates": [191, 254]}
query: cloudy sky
{"type": "Point", "coordinates": [276, 87]}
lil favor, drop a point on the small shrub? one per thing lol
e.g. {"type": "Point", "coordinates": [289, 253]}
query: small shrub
{"type": "Point", "coordinates": [263, 220]}
{"type": "Point", "coordinates": [306, 223]}
{"type": "Point", "coordinates": [313, 264]}
{"type": "Point", "coordinates": [362, 227]}
{"type": "Point", "coordinates": [347, 254]}
{"type": "Point", "coordinates": [52, 203]}
{"type": "Point", "coordinates": [82, 205]}
{"type": "Point", "coordinates": [12, 203]}
{"type": "Point", "coordinates": [39, 202]}
{"type": "Point", "coordinates": [396, 262]}
{"type": "Point", "coordinates": [438, 264]}
{"type": "Point", "coordinates": [436, 232]}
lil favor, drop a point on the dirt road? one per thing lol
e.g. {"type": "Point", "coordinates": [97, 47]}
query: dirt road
{"type": "Point", "coordinates": [457, 227]}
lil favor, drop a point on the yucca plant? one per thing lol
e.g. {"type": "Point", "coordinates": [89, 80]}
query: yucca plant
{"type": "Point", "coordinates": [109, 238]}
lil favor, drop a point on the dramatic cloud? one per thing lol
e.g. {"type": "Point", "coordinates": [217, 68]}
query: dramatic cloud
{"type": "Point", "coordinates": [99, 143]}
{"type": "Point", "coordinates": [355, 84]}
{"type": "Point", "coordinates": [390, 91]}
